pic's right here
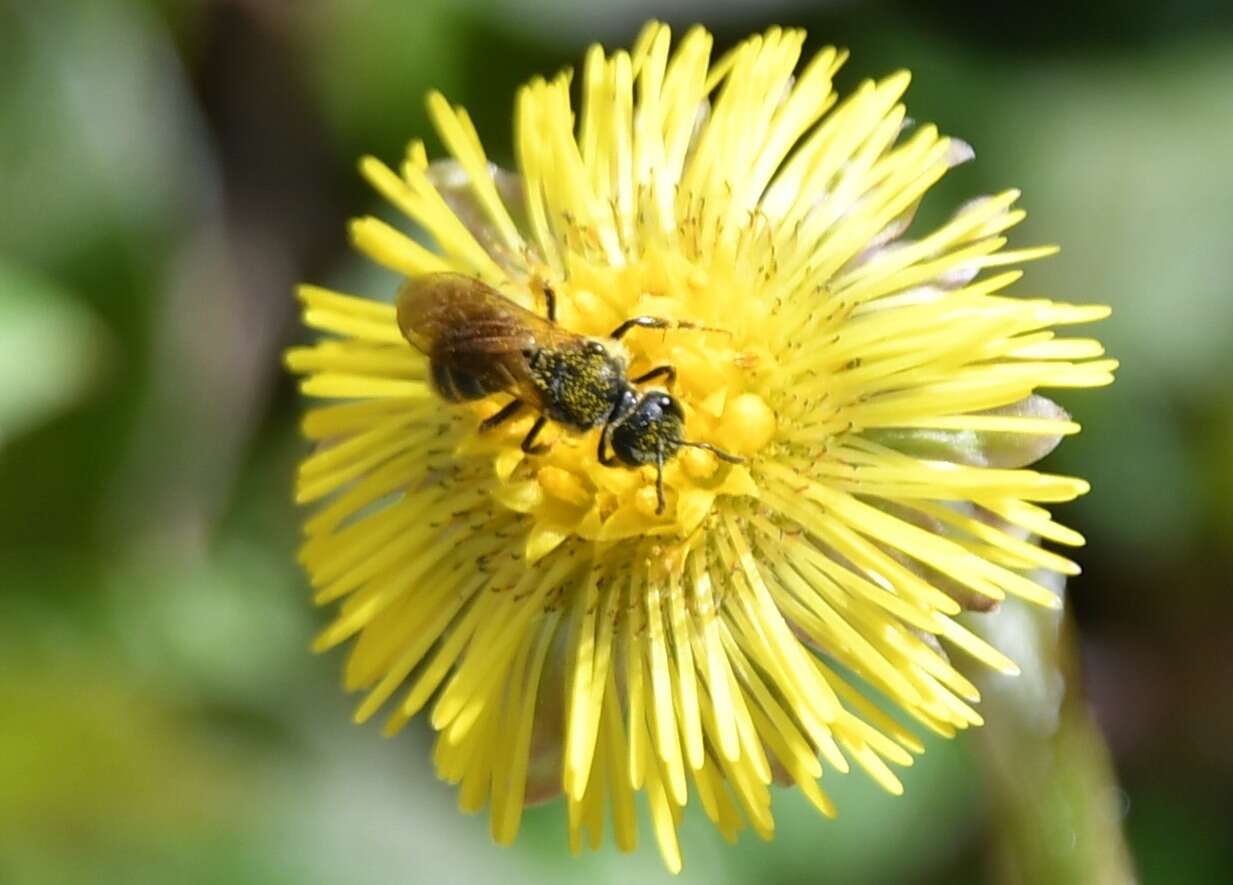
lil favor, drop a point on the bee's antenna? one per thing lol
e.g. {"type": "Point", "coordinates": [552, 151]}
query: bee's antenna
{"type": "Point", "coordinates": [718, 453]}
{"type": "Point", "coordinates": [659, 481]}
{"type": "Point", "coordinates": [645, 322]}
{"type": "Point", "coordinates": [683, 324]}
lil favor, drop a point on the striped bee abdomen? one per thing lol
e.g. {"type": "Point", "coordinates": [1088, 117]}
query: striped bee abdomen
{"type": "Point", "coordinates": [458, 385]}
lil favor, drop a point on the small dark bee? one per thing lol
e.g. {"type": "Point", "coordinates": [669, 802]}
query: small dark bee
{"type": "Point", "coordinates": [478, 343]}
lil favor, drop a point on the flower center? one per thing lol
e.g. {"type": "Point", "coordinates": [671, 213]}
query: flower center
{"type": "Point", "coordinates": [721, 360]}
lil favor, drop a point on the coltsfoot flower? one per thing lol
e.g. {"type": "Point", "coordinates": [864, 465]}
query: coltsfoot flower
{"type": "Point", "coordinates": [564, 635]}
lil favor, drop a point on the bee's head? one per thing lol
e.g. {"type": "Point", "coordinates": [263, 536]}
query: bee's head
{"type": "Point", "coordinates": [656, 425]}
{"type": "Point", "coordinates": [663, 406]}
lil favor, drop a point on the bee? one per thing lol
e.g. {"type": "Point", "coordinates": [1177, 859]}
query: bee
{"type": "Point", "coordinates": [480, 343]}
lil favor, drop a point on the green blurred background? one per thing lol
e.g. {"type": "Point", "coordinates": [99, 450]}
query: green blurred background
{"type": "Point", "coordinates": [170, 169]}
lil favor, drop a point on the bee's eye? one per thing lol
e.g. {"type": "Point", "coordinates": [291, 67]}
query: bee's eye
{"type": "Point", "coordinates": [595, 348]}
{"type": "Point", "coordinates": [670, 406]}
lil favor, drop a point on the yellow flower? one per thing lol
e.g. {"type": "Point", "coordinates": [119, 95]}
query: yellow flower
{"type": "Point", "coordinates": [880, 388]}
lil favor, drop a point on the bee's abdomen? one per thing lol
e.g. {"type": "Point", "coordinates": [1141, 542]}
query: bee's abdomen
{"type": "Point", "coordinates": [458, 385]}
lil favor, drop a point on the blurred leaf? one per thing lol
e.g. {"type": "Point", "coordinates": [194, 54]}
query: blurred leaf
{"type": "Point", "coordinates": [51, 351]}
{"type": "Point", "coordinates": [616, 22]}
{"type": "Point", "coordinates": [1127, 169]}
{"type": "Point", "coordinates": [104, 169]}
{"type": "Point", "coordinates": [232, 628]}
{"type": "Point", "coordinates": [374, 61]}
{"type": "Point", "coordinates": [97, 129]}
{"type": "Point", "coordinates": [123, 748]}
{"type": "Point", "coordinates": [1180, 832]}
{"type": "Point", "coordinates": [94, 772]}
{"type": "Point", "coordinates": [1134, 444]}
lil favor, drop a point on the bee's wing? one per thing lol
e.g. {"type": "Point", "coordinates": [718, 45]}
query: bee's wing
{"type": "Point", "coordinates": [467, 327]}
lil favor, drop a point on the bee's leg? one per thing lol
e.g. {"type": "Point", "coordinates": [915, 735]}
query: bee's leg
{"type": "Point", "coordinates": [659, 480]}
{"type": "Point", "coordinates": [528, 441]}
{"type": "Point", "coordinates": [657, 372]}
{"type": "Point", "coordinates": [718, 453]}
{"type": "Point", "coordinates": [550, 301]}
{"type": "Point", "coordinates": [509, 410]}
{"type": "Point", "coordinates": [658, 323]}
{"type": "Point", "coordinates": [604, 458]}
{"type": "Point", "coordinates": [643, 323]}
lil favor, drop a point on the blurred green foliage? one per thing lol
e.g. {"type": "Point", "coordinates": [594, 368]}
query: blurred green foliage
{"type": "Point", "coordinates": [172, 168]}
